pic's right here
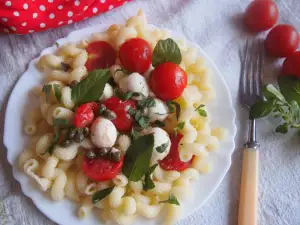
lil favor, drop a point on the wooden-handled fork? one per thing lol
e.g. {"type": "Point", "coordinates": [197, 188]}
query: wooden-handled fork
{"type": "Point", "coordinates": [250, 93]}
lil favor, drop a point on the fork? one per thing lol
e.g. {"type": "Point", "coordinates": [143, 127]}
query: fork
{"type": "Point", "coordinates": [250, 92]}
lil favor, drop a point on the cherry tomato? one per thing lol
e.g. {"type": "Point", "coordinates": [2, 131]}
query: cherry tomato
{"type": "Point", "coordinates": [85, 114]}
{"type": "Point", "coordinates": [136, 55]}
{"type": "Point", "coordinates": [291, 65]}
{"type": "Point", "coordinates": [123, 122]}
{"type": "Point", "coordinates": [172, 160]}
{"type": "Point", "coordinates": [101, 55]}
{"type": "Point", "coordinates": [282, 41]}
{"type": "Point", "coordinates": [100, 169]}
{"type": "Point", "coordinates": [168, 81]}
{"type": "Point", "coordinates": [261, 15]}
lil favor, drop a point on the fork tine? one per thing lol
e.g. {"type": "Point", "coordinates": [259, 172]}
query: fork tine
{"type": "Point", "coordinates": [250, 69]}
{"type": "Point", "coordinates": [243, 76]}
{"type": "Point", "coordinates": [256, 72]}
{"type": "Point", "coordinates": [261, 66]}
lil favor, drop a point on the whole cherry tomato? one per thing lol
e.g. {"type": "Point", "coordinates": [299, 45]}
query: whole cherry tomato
{"type": "Point", "coordinates": [101, 55]}
{"type": "Point", "coordinates": [136, 55]}
{"type": "Point", "coordinates": [282, 41]}
{"type": "Point", "coordinates": [123, 122]}
{"type": "Point", "coordinates": [168, 81]}
{"type": "Point", "coordinates": [291, 65]}
{"type": "Point", "coordinates": [85, 114]}
{"type": "Point", "coordinates": [172, 160]}
{"type": "Point", "coordinates": [261, 15]}
{"type": "Point", "coordinates": [100, 169]}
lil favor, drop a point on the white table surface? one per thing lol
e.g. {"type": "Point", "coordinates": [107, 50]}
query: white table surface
{"type": "Point", "coordinates": [217, 27]}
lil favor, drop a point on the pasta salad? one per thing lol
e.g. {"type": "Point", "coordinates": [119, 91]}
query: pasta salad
{"type": "Point", "coordinates": [122, 125]}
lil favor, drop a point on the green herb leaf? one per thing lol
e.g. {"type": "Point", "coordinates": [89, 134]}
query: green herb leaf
{"type": "Point", "coordinates": [283, 129]}
{"type": "Point", "coordinates": [172, 200]}
{"type": "Point", "coordinates": [47, 90]}
{"type": "Point", "coordinates": [148, 182]}
{"type": "Point", "coordinates": [137, 158]}
{"type": "Point", "coordinates": [180, 126]}
{"type": "Point", "coordinates": [100, 195]}
{"type": "Point", "coordinates": [135, 134]}
{"type": "Point", "coordinates": [91, 88]}
{"type": "Point", "coordinates": [62, 123]}
{"type": "Point", "coordinates": [271, 92]}
{"type": "Point", "coordinates": [171, 105]}
{"type": "Point", "coordinates": [57, 92]}
{"type": "Point", "coordinates": [261, 109]}
{"type": "Point", "coordinates": [131, 111]}
{"type": "Point", "coordinates": [146, 103]}
{"type": "Point", "coordinates": [159, 123]}
{"type": "Point", "coordinates": [144, 122]}
{"type": "Point", "coordinates": [201, 111]}
{"type": "Point", "coordinates": [57, 45]}
{"type": "Point", "coordinates": [54, 142]}
{"type": "Point", "coordinates": [162, 147]}
{"type": "Point", "coordinates": [290, 87]}
{"type": "Point", "coordinates": [166, 51]}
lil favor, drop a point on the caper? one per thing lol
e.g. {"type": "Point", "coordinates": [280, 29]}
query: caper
{"type": "Point", "coordinates": [103, 152]}
{"type": "Point", "coordinates": [72, 133]}
{"type": "Point", "coordinates": [102, 109]}
{"type": "Point", "coordinates": [73, 84]}
{"type": "Point", "coordinates": [79, 136]}
{"type": "Point", "coordinates": [108, 114]}
{"type": "Point", "coordinates": [86, 131]}
{"type": "Point", "coordinates": [90, 154]}
{"type": "Point", "coordinates": [115, 155]}
{"type": "Point", "coordinates": [65, 143]}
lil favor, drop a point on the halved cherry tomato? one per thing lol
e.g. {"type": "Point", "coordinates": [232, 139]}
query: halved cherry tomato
{"type": "Point", "coordinates": [136, 55]}
{"type": "Point", "coordinates": [261, 15]}
{"type": "Point", "coordinates": [282, 41]}
{"type": "Point", "coordinates": [123, 122]}
{"type": "Point", "coordinates": [172, 160]}
{"type": "Point", "coordinates": [100, 169]}
{"type": "Point", "coordinates": [291, 65]}
{"type": "Point", "coordinates": [101, 55]}
{"type": "Point", "coordinates": [168, 81]}
{"type": "Point", "coordinates": [85, 114]}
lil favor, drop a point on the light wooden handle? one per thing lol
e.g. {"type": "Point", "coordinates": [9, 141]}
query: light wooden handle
{"type": "Point", "coordinates": [249, 184]}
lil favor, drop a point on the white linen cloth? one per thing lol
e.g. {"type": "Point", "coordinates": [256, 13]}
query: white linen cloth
{"type": "Point", "coordinates": [216, 25]}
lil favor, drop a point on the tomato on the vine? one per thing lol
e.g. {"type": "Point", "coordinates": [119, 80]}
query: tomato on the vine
{"type": "Point", "coordinates": [101, 169]}
{"type": "Point", "coordinates": [261, 15]}
{"type": "Point", "coordinates": [85, 114]}
{"type": "Point", "coordinates": [282, 41]}
{"type": "Point", "coordinates": [291, 65]}
{"type": "Point", "coordinates": [136, 55]}
{"type": "Point", "coordinates": [168, 81]}
{"type": "Point", "coordinates": [172, 160]}
{"type": "Point", "coordinates": [101, 55]}
{"type": "Point", "coordinates": [123, 122]}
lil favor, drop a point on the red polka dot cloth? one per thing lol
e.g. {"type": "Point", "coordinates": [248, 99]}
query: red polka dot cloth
{"type": "Point", "coordinates": [28, 16]}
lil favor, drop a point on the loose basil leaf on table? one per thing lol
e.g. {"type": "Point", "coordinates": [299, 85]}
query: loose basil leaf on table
{"type": "Point", "coordinates": [137, 159]}
{"type": "Point", "coordinates": [261, 109]}
{"type": "Point", "coordinates": [290, 87]}
{"type": "Point", "coordinates": [283, 128]}
{"type": "Point", "coordinates": [148, 182]}
{"type": "Point", "coordinates": [166, 51]}
{"type": "Point", "coordinates": [91, 88]}
{"type": "Point", "coordinates": [171, 200]}
{"type": "Point", "coordinates": [100, 195]}
{"type": "Point", "coordinates": [271, 92]}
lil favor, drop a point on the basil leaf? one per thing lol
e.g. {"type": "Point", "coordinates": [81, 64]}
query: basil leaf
{"type": "Point", "coordinates": [54, 141]}
{"type": "Point", "coordinates": [100, 195]}
{"type": "Point", "coordinates": [65, 66]}
{"type": "Point", "coordinates": [159, 123]}
{"type": "Point", "coordinates": [290, 87]}
{"type": "Point", "coordinates": [170, 105]}
{"type": "Point", "coordinates": [261, 109]}
{"type": "Point", "coordinates": [271, 92]}
{"type": "Point", "coordinates": [63, 123]}
{"type": "Point", "coordinates": [201, 111]}
{"type": "Point", "coordinates": [131, 111]}
{"type": "Point", "coordinates": [137, 158]}
{"type": "Point", "coordinates": [135, 134]}
{"type": "Point", "coordinates": [47, 90]}
{"type": "Point", "coordinates": [283, 129]}
{"type": "Point", "coordinates": [146, 103]}
{"type": "Point", "coordinates": [148, 182]}
{"type": "Point", "coordinates": [166, 51]}
{"type": "Point", "coordinates": [172, 200]}
{"type": "Point", "coordinates": [144, 122]}
{"type": "Point", "coordinates": [57, 92]}
{"type": "Point", "coordinates": [91, 88]}
{"type": "Point", "coordinates": [180, 126]}
{"type": "Point", "coordinates": [162, 148]}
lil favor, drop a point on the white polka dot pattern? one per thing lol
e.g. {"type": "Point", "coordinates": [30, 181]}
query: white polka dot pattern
{"type": "Point", "coordinates": [42, 25]}
{"type": "Point", "coordinates": [95, 10]}
{"type": "Point", "coordinates": [42, 8]}
{"type": "Point", "coordinates": [70, 14]}
{"type": "Point", "coordinates": [4, 20]}
{"type": "Point", "coordinates": [34, 15]}
{"type": "Point", "coordinates": [77, 3]}
{"type": "Point", "coordinates": [51, 16]}
{"type": "Point", "coordinates": [25, 6]}
{"type": "Point", "coordinates": [8, 3]}
{"type": "Point", "coordinates": [16, 13]}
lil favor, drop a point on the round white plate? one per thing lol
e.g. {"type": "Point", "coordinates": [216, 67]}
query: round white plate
{"type": "Point", "coordinates": [65, 212]}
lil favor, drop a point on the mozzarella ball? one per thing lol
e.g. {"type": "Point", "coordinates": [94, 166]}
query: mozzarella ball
{"type": "Point", "coordinates": [103, 133]}
{"type": "Point", "coordinates": [135, 82]}
{"type": "Point", "coordinates": [107, 92]}
{"type": "Point", "coordinates": [160, 137]}
{"type": "Point", "coordinates": [158, 112]}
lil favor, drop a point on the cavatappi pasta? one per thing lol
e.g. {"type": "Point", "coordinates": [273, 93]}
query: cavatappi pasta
{"type": "Point", "coordinates": [59, 170]}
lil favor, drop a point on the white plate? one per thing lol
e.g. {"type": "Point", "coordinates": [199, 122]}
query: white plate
{"type": "Point", "coordinates": [65, 212]}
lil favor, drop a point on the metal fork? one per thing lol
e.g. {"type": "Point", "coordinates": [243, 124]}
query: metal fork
{"type": "Point", "coordinates": [250, 92]}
